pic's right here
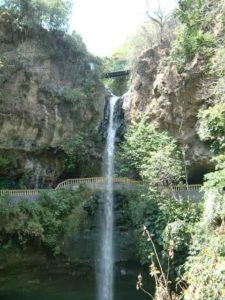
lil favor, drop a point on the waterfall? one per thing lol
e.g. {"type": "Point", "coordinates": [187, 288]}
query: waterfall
{"type": "Point", "coordinates": [105, 278]}
{"type": "Point", "coordinates": [37, 176]}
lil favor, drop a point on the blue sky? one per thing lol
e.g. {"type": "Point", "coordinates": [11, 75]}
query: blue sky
{"type": "Point", "coordinates": [105, 24]}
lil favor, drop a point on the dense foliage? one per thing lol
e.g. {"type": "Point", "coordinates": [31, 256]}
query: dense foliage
{"type": "Point", "coordinates": [80, 151]}
{"type": "Point", "coordinates": [43, 223]}
{"type": "Point", "coordinates": [153, 156]}
{"type": "Point", "coordinates": [205, 268]}
{"type": "Point", "coordinates": [189, 238]}
{"type": "Point", "coordinates": [154, 211]}
{"type": "Point", "coordinates": [192, 237]}
{"type": "Point", "coordinates": [149, 154]}
{"type": "Point", "coordinates": [117, 62]}
{"type": "Point", "coordinates": [48, 14]}
{"type": "Point", "coordinates": [193, 36]}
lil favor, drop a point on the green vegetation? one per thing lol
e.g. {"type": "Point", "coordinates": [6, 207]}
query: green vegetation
{"type": "Point", "coordinates": [158, 29]}
{"type": "Point", "coordinates": [191, 237]}
{"type": "Point", "coordinates": [118, 86]}
{"type": "Point", "coordinates": [7, 162]}
{"type": "Point", "coordinates": [185, 240]}
{"type": "Point", "coordinates": [149, 154]}
{"type": "Point", "coordinates": [117, 62]}
{"type": "Point", "coordinates": [80, 151]}
{"type": "Point", "coordinates": [74, 95]}
{"type": "Point", "coordinates": [212, 126]}
{"type": "Point", "coordinates": [195, 36]}
{"type": "Point", "coordinates": [76, 150]}
{"type": "Point", "coordinates": [44, 223]}
{"type": "Point", "coordinates": [30, 13]}
{"type": "Point", "coordinates": [207, 260]}
{"type": "Point", "coordinates": [187, 44]}
{"type": "Point", "coordinates": [154, 211]}
{"type": "Point", "coordinates": [205, 267]}
{"type": "Point", "coordinates": [153, 156]}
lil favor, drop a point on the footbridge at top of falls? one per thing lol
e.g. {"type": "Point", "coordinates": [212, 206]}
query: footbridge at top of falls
{"type": "Point", "coordinates": [116, 74]}
{"type": "Point", "coordinates": [99, 183]}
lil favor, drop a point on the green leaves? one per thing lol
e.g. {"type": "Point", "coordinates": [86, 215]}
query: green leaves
{"type": "Point", "coordinates": [50, 14]}
{"type": "Point", "coordinates": [191, 13]}
{"type": "Point", "coordinates": [193, 36]}
{"type": "Point", "coordinates": [44, 222]}
{"type": "Point", "coordinates": [206, 271]}
{"type": "Point", "coordinates": [150, 154]}
{"type": "Point", "coordinates": [77, 150]}
{"type": "Point", "coordinates": [212, 126]}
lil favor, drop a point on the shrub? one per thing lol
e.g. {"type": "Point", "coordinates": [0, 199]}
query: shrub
{"type": "Point", "coordinates": [149, 154]}
{"type": "Point", "coordinates": [154, 211]}
{"type": "Point", "coordinates": [205, 267]}
{"type": "Point", "coordinates": [206, 270]}
{"type": "Point", "coordinates": [45, 222]}
{"type": "Point", "coordinates": [193, 37]}
{"type": "Point", "coordinates": [74, 95]}
{"type": "Point", "coordinates": [187, 45]}
{"type": "Point", "coordinates": [80, 150]}
{"type": "Point", "coordinates": [30, 13]}
{"type": "Point", "coordinates": [212, 126]}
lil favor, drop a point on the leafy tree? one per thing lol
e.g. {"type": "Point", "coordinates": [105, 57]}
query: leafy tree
{"type": "Point", "coordinates": [77, 150]}
{"type": "Point", "coordinates": [117, 62]}
{"type": "Point", "coordinates": [193, 36]}
{"type": "Point", "coordinates": [212, 121]}
{"type": "Point", "coordinates": [205, 268]}
{"type": "Point", "coordinates": [43, 223]}
{"type": "Point", "coordinates": [205, 271]}
{"type": "Point", "coordinates": [154, 157]}
{"type": "Point", "coordinates": [150, 154]}
{"type": "Point", "coordinates": [212, 126]}
{"type": "Point", "coordinates": [50, 14]}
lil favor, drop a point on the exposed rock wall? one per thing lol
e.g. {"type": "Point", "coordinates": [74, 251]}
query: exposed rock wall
{"type": "Point", "coordinates": [48, 93]}
{"type": "Point", "coordinates": [171, 101]}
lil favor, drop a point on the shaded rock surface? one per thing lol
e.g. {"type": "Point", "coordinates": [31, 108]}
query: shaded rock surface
{"type": "Point", "coordinates": [171, 101]}
{"type": "Point", "coordinates": [48, 92]}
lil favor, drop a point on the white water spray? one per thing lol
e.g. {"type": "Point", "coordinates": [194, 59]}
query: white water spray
{"type": "Point", "coordinates": [105, 279]}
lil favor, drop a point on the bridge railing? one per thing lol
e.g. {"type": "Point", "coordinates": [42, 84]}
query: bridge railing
{"type": "Point", "coordinates": [184, 187]}
{"type": "Point", "coordinates": [14, 193]}
{"type": "Point", "coordinates": [78, 181]}
{"type": "Point", "coordinates": [96, 180]}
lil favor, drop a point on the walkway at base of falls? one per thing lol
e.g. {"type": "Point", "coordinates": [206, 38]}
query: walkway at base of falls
{"type": "Point", "coordinates": [192, 191]}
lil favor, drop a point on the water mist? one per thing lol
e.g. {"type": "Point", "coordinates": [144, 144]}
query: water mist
{"type": "Point", "coordinates": [106, 259]}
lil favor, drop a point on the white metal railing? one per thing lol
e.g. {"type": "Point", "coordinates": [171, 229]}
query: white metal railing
{"type": "Point", "coordinates": [185, 187]}
{"type": "Point", "coordinates": [78, 181]}
{"type": "Point", "coordinates": [96, 180]}
{"type": "Point", "coordinates": [21, 193]}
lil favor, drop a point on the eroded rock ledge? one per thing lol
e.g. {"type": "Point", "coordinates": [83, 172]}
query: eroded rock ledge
{"type": "Point", "coordinates": [171, 101]}
{"type": "Point", "coordinates": [49, 92]}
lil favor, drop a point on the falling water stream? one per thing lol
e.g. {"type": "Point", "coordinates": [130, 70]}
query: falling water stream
{"type": "Point", "coordinates": [105, 278]}
{"type": "Point", "coordinates": [58, 282]}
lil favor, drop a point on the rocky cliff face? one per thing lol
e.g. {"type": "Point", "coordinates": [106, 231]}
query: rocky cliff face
{"type": "Point", "coordinates": [171, 101]}
{"type": "Point", "coordinates": [49, 92]}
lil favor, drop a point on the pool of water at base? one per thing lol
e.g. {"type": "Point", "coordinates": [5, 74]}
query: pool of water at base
{"type": "Point", "coordinates": [45, 286]}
